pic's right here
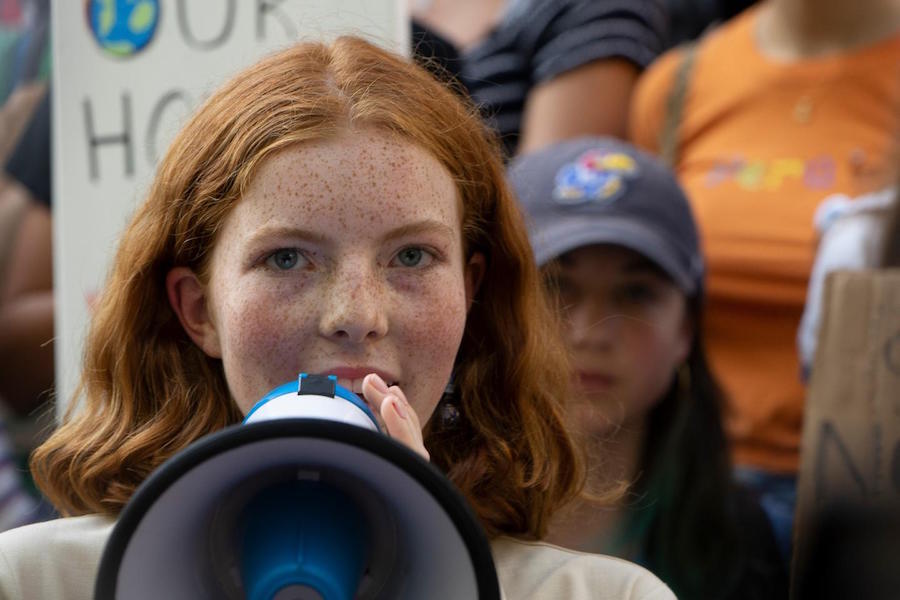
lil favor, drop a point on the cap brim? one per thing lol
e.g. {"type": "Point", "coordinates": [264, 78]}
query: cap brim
{"type": "Point", "coordinates": [565, 234]}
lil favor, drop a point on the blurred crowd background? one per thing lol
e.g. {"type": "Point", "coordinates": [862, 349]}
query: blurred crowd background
{"type": "Point", "coordinates": [780, 123]}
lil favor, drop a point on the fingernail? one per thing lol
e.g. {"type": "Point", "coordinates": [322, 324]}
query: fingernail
{"type": "Point", "coordinates": [398, 406]}
{"type": "Point", "coordinates": [378, 383]}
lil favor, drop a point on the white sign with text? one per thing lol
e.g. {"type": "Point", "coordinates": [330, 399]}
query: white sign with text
{"type": "Point", "coordinates": [126, 75]}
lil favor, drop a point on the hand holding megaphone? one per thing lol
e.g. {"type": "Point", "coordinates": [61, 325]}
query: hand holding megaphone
{"type": "Point", "coordinates": [322, 399]}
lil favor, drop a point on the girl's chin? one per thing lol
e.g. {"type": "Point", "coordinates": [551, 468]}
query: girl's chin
{"type": "Point", "coordinates": [595, 418]}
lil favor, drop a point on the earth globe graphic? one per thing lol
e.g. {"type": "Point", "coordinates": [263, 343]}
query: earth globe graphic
{"type": "Point", "coordinates": [123, 27]}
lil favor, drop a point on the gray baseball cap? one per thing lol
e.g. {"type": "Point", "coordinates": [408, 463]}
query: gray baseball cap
{"type": "Point", "coordinates": [596, 190]}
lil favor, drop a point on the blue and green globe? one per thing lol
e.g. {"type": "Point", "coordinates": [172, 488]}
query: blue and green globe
{"type": "Point", "coordinates": [123, 27]}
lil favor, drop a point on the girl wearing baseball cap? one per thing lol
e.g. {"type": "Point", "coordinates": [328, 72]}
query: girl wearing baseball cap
{"type": "Point", "coordinates": [617, 244]}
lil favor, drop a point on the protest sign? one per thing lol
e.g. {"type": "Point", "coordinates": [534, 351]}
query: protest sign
{"type": "Point", "coordinates": [126, 75]}
{"type": "Point", "coordinates": [848, 503]}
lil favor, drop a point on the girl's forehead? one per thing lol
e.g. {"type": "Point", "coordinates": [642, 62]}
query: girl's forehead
{"type": "Point", "coordinates": [612, 254]}
{"type": "Point", "coordinates": [354, 152]}
{"type": "Point", "coordinates": [611, 259]}
{"type": "Point", "coordinates": [368, 174]}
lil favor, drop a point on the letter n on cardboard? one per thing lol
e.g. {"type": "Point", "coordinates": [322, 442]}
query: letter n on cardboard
{"type": "Point", "coordinates": [847, 525]}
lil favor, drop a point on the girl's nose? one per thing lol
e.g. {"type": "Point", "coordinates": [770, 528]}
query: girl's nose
{"type": "Point", "coordinates": [353, 308]}
{"type": "Point", "coordinates": [592, 324]}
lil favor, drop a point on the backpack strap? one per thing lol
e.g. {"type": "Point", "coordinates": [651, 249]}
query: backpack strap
{"type": "Point", "coordinates": [668, 135]}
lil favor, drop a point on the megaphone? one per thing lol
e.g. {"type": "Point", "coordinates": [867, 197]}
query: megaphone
{"type": "Point", "coordinates": [306, 500]}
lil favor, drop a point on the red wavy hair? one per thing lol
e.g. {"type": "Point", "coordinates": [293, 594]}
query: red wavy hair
{"type": "Point", "coordinates": [147, 391]}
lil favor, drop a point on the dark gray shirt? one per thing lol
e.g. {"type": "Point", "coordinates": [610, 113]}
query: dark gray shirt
{"type": "Point", "coordinates": [538, 40]}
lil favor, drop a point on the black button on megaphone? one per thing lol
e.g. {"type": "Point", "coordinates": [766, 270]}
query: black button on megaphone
{"type": "Point", "coordinates": [306, 500]}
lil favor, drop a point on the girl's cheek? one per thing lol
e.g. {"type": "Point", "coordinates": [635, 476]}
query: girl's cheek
{"type": "Point", "coordinates": [435, 321]}
{"type": "Point", "coordinates": [637, 346]}
{"type": "Point", "coordinates": [265, 330]}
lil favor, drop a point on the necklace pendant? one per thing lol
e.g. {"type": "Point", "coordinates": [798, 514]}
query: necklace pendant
{"type": "Point", "coordinates": [803, 110]}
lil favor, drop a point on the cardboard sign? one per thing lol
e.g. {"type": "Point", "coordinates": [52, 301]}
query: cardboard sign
{"type": "Point", "coordinates": [850, 455]}
{"type": "Point", "coordinates": [126, 75]}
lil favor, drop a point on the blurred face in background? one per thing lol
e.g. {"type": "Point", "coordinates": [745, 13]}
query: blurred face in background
{"type": "Point", "coordinates": [626, 326]}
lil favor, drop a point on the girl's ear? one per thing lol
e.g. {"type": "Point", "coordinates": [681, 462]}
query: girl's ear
{"type": "Point", "coordinates": [474, 274]}
{"type": "Point", "coordinates": [188, 298]}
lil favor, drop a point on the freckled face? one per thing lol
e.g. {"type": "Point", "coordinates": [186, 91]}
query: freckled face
{"type": "Point", "coordinates": [344, 256]}
{"type": "Point", "coordinates": [626, 327]}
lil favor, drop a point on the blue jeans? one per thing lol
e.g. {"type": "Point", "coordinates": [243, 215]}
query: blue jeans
{"type": "Point", "coordinates": [777, 495]}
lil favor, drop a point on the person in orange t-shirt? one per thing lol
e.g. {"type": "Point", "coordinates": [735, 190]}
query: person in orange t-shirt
{"type": "Point", "coordinates": [791, 101]}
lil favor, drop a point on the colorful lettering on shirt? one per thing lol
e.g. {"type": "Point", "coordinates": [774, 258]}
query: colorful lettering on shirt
{"type": "Point", "coordinates": [817, 173]}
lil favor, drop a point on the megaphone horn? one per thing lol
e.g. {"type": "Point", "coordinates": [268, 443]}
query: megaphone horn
{"type": "Point", "coordinates": [305, 500]}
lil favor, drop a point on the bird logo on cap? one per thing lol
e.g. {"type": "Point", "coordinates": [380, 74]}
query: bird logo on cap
{"type": "Point", "coordinates": [595, 175]}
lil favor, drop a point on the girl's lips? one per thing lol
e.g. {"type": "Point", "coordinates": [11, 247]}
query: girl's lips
{"type": "Point", "coordinates": [351, 378]}
{"type": "Point", "coordinates": [595, 380]}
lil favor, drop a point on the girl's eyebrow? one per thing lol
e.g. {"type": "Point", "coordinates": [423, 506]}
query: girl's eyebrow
{"type": "Point", "coordinates": [426, 226]}
{"type": "Point", "coordinates": [644, 265]}
{"type": "Point", "coordinates": [284, 231]}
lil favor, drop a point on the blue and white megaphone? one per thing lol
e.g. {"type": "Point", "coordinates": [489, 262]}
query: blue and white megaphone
{"type": "Point", "coordinates": [306, 500]}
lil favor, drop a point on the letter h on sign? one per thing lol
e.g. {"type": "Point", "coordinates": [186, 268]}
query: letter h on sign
{"type": "Point", "coordinates": [94, 140]}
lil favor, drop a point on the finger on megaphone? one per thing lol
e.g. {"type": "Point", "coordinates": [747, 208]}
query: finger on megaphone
{"type": "Point", "coordinates": [375, 381]}
{"type": "Point", "coordinates": [412, 419]}
{"type": "Point", "coordinates": [403, 425]}
{"type": "Point", "coordinates": [396, 415]}
{"type": "Point", "coordinates": [413, 416]}
{"type": "Point", "coordinates": [374, 390]}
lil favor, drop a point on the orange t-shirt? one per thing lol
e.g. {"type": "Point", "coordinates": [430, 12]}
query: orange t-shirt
{"type": "Point", "coordinates": [761, 144]}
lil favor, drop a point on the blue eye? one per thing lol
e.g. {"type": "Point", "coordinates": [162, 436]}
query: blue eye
{"type": "Point", "coordinates": [412, 257]}
{"type": "Point", "coordinates": [284, 259]}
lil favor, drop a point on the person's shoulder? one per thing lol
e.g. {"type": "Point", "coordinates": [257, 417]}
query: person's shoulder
{"type": "Point", "coordinates": [538, 570]}
{"type": "Point", "coordinates": [53, 559]}
{"type": "Point", "coordinates": [716, 43]}
{"type": "Point", "coordinates": [697, 68]}
{"type": "Point", "coordinates": [661, 72]}
{"type": "Point", "coordinates": [81, 529]}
